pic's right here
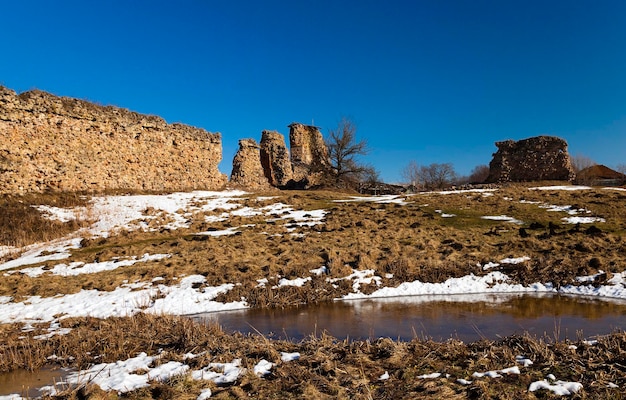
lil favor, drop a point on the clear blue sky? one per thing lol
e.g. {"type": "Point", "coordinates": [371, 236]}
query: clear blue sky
{"type": "Point", "coordinates": [429, 81]}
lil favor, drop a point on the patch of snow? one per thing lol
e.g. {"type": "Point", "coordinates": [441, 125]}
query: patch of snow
{"type": "Point", "coordinates": [566, 187]}
{"type": "Point", "coordinates": [490, 265]}
{"type": "Point", "coordinates": [320, 271]}
{"type": "Point", "coordinates": [78, 268]}
{"type": "Point", "coordinates": [299, 282]}
{"type": "Point", "coordinates": [498, 373]}
{"type": "Point", "coordinates": [61, 214]}
{"type": "Point", "coordinates": [39, 253]}
{"type": "Point", "coordinates": [517, 260]}
{"type": "Point", "coordinates": [464, 381]}
{"type": "Point", "coordinates": [366, 277]}
{"type": "Point", "coordinates": [524, 361]}
{"type": "Point", "coordinates": [559, 388]}
{"type": "Point", "coordinates": [223, 232]}
{"type": "Point", "coordinates": [204, 394]}
{"type": "Point", "coordinates": [220, 373]}
{"type": "Point", "coordinates": [503, 218]}
{"type": "Point", "coordinates": [462, 191]}
{"type": "Point", "coordinates": [286, 357]}
{"type": "Point", "coordinates": [590, 342]}
{"type": "Point", "coordinates": [582, 220]}
{"type": "Point", "coordinates": [118, 376]}
{"type": "Point", "coordinates": [384, 376]}
{"type": "Point", "coordinates": [263, 368]}
{"type": "Point", "coordinates": [589, 278]}
{"type": "Point", "coordinates": [493, 282]}
{"type": "Point", "coordinates": [384, 199]}
{"type": "Point", "coordinates": [126, 300]}
{"type": "Point", "coordinates": [434, 375]}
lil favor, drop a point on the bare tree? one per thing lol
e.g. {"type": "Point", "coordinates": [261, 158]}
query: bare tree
{"type": "Point", "coordinates": [580, 162]}
{"type": "Point", "coordinates": [343, 155]}
{"type": "Point", "coordinates": [621, 168]}
{"type": "Point", "coordinates": [438, 176]}
{"type": "Point", "coordinates": [433, 176]}
{"type": "Point", "coordinates": [412, 175]}
{"type": "Point", "coordinates": [479, 174]}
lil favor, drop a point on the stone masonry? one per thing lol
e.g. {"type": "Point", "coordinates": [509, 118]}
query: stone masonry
{"type": "Point", "coordinates": [309, 154]}
{"type": "Point", "coordinates": [63, 144]}
{"type": "Point", "coordinates": [247, 170]}
{"type": "Point", "coordinates": [275, 158]}
{"type": "Point", "coordinates": [534, 159]}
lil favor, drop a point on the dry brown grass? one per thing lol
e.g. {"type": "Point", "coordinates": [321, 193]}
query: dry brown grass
{"type": "Point", "coordinates": [410, 241]}
{"type": "Point", "coordinates": [21, 224]}
{"type": "Point", "coordinates": [328, 367]}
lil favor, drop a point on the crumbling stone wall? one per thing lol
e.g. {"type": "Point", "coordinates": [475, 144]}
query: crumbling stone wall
{"type": "Point", "coordinates": [58, 143]}
{"type": "Point", "coordinates": [535, 159]}
{"type": "Point", "coordinates": [309, 155]}
{"type": "Point", "coordinates": [303, 168]}
{"type": "Point", "coordinates": [247, 169]}
{"type": "Point", "coordinates": [275, 159]}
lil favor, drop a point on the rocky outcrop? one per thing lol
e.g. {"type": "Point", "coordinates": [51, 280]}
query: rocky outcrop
{"type": "Point", "coordinates": [64, 144]}
{"type": "Point", "coordinates": [275, 159]}
{"type": "Point", "coordinates": [309, 155]}
{"type": "Point", "coordinates": [247, 170]}
{"type": "Point", "coordinates": [534, 159]}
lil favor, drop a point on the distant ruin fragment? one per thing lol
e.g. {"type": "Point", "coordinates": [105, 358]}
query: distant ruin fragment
{"type": "Point", "coordinates": [534, 159]}
{"type": "Point", "coordinates": [247, 170]}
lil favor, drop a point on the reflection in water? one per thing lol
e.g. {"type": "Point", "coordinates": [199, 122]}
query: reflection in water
{"type": "Point", "coordinates": [27, 383]}
{"type": "Point", "coordinates": [465, 317]}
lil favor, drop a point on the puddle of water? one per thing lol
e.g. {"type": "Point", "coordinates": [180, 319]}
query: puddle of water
{"type": "Point", "coordinates": [27, 384]}
{"type": "Point", "coordinates": [465, 317]}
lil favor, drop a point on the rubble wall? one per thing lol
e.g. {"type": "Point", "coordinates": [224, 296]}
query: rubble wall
{"type": "Point", "coordinates": [64, 144]}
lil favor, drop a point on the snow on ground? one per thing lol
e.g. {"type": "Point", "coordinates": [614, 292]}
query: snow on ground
{"type": "Point", "coordinates": [189, 296]}
{"type": "Point", "coordinates": [78, 268]}
{"type": "Point", "coordinates": [39, 253]}
{"type": "Point", "coordinates": [126, 300]}
{"type": "Point", "coordinates": [582, 220]}
{"type": "Point", "coordinates": [384, 199]}
{"type": "Point", "coordinates": [564, 187]}
{"type": "Point", "coordinates": [503, 218]}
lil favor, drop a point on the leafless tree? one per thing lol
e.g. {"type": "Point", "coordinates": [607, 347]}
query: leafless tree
{"type": "Point", "coordinates": [343, 154]}
{"type": "Point", "coordinates": [479, 174]}
{"type": "Point", "coordinates": [621, 168]}
{"type": "Point", "coordinates": [433, 176]}
{"type": "Point", "coordinates": [580, 162]}
{"type": "Point", "coordinates": [412, 175]}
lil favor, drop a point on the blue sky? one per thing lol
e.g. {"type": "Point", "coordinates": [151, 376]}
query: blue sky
{"type": "Point", "coordinates": [429, 81]}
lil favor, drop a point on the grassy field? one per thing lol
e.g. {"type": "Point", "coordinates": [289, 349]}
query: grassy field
{"type": "Point", "coordinates": [428, 237]}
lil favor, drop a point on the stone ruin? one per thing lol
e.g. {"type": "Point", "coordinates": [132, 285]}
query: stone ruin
{"type": "Point", "coordinates": [247, 169]}
{"type": "Point", "coordinates": [275, 158]}
{"type": "Point", "coordinates": [52, 143]}
{"type": "Point", "coordinates": [540, 158]}
{"type": "Point", "coordinates": [302, 169]}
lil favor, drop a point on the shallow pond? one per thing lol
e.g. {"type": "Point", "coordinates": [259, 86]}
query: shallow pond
{"type": "Point", "coordinates": [465, 317]}
{"type": "Point", "coordinates": [27, 383]}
